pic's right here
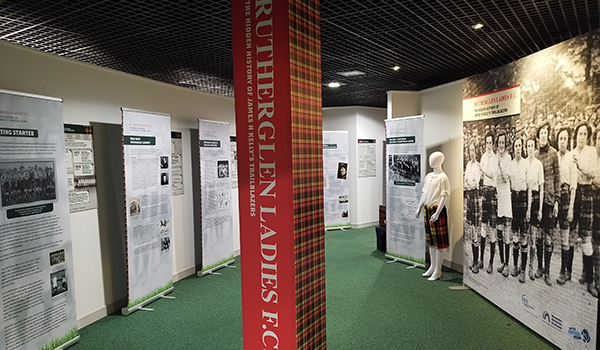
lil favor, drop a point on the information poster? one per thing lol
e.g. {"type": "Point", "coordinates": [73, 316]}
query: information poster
{"type": "Point", "coordinates": [336, 183]}
{"type": "Point", "coordinates": [233, 169]}
{"type": "Point", "coordinates": [176, 163]}
{"type": "Point", "coordinates": [215, 187]}
{"type": "Point", "coordinates": [81, 174]}
{"type": "Point", "coordinates": [406, 168]}
{"type": "Point", "coordinates": [147, 153]}
{"type": "Point", "coordinates": [36, 258]}
{"type": "Point", "coordinates": [367, 154]}
{"type": "Point", "coordinates": [532, 140]}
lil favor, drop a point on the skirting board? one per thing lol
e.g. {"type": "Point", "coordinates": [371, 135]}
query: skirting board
{"type": "Point", "coordinates": [91, 318]}
{"type": "Point", "coordinates": [366, 224]}
{"type": "Point", "coordinates": [453, 265]}
{"type": "Point", "coordinates": [183, 274]}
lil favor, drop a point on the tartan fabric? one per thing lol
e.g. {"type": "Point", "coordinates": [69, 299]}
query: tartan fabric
{"type": "Point", "coordinates": [549, 158]}
{"type": "Point", "coordinates": [307, 172]}
{"type": "Point", "coordinates": [584, 213]}
{"type": "Point", "coordinates": [489, 205]}
{"type": "Point", "coordinates": [473, 212]}
{"type": "Point", "coordinates": [563, 206]}
{"type": "Point", "coordinates": [535, 207]}
{"type": "Point", "coordinates": [548, 221]}
{"type": "Point", "coordinates": [519, 208]}
{"type": "Point", "coordinates": [596, 201]}
{"type": "Point", "coordinates": [436, 233]}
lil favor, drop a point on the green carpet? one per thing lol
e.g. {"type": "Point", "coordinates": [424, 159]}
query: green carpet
{"type": "Point", "coordinates": [370, 305]}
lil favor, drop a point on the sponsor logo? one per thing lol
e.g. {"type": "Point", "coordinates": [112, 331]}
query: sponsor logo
{"type": "Point", "coordinates": [552, 320]}
{"type": "Point", "coordinates": [525, 302]}
{"type": "Point", "coordinates": [527, 305]}
{"type": "Point", "coordinates": [584, 335]}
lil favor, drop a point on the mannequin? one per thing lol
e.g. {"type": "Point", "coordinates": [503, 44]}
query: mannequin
{"type": "Point", "coordinates": [436, 192]}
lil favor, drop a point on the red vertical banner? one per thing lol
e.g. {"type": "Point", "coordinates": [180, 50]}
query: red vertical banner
{"type": "Point", "coordinates": [278, 121]}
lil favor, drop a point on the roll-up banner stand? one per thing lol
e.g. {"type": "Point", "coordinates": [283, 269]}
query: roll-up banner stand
{"type": "Point", "coordinates": [215, 195]}
{"type": "Point", "coordinates": [148, 220]}
{"type": "Point", "coordinates": [36, 259]}
{"type": "Point", "coordinates": [405, 170]}
{"type": "Point", "coordinates": [336, 183]}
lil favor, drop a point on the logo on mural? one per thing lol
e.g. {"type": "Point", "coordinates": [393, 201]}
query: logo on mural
{"type": "Point", "coordinates": [552, 320]}
{"type": "Point", "coordinates": [584, 335]}
{"type": "Point", "coordinates": [526, 304]}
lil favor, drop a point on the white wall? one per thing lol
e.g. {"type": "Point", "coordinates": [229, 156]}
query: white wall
{"type": "Point", "coordinates": [403, 104]}
{"type": "Point", "coordinates": [366, 194]}
{"type": "Point", "coordinates": [96, 94]}
{"type": "Point", "coordinates": [442, 107]}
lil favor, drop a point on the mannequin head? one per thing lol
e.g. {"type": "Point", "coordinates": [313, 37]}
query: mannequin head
{"type": "Point", "coordinates": [436, 159]}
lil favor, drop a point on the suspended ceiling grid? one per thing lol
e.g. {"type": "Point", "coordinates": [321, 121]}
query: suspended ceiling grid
{"type": "Point", "coordinates": [188, 43]}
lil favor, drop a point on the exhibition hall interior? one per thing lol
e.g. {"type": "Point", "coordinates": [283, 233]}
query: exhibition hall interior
{"type": "Point", "coordinates": [266, 174]}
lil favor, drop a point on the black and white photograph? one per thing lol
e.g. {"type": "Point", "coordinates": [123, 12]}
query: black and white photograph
{"type": "Point", "coordinates": [342, 171]}
{"type": "Point", "coordinates": [224, 200]}
{"type": "Point", "coordinates": [58, 282]}
{"type": "Point", "coordinates": [57, 257]}
{"type": "Point", "coordinates": [532, 188]}
{"type": "Point", "coordinates": [164, 179]}
{"type": "Point", "coordinates": [405, 168]}
{"type": "Point", "coordinates": [222, 169]}
{"type": "Point", "coordinates": [165, 243]}
{"type": "Point", "coordinates": [26, 182]}
{"type": "Point", "coordinates": [164, 162]}
{"type": "Point", "coordinates": [135, 206]}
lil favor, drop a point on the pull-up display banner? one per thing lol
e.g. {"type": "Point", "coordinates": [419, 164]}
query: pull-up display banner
{"type": "Point", "coordinates": [147, 168]}
{"type": "Point", "coordinates": [276, 48]}
{"type": "Point", "coordinates": [336, 186]}
{"type": "Point", "coordinates": [215, 188]}
{"type": "Point", "coordinates": [36, 258]}
{"type": "Point", "coordinates": [405, 170]}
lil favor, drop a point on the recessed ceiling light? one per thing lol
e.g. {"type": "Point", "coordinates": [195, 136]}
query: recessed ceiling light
{"type": "Point", "coordinates": [334, 85]}
{"type": "Point", "coordinates": [396, 68]}
{"type": "Point", "coordinates": [352, 73]}
{"type": "Point", "coordinates": [477, 26]}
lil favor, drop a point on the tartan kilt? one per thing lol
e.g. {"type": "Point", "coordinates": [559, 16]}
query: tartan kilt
{"type": "Point", "coordinates": [563, 207]}
{"type": "Point", "coordinates": [583, 213]}
{"type": "Point", "coordinates": [489, 205]}
{"type": "Point", "coordinates": [596, 206]}
{"type": "Point", "coordinates": [436, 233]}
{"type": "Point", "coordinates": [473, 212]}
{"type": "Point", "coordinates": [519, 208]}
{"type": "Point", "coordinates": [535, 207]}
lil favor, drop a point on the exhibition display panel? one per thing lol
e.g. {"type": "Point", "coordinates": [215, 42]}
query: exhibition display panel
{"type": "Point", "coordinates": [36, 257]}
{"type": "Point", "coordinates": [405, 169]}
{"type": "Point", "coordinates": [148, 220]}
{"type": "Point", "coordinates": [530, 190]}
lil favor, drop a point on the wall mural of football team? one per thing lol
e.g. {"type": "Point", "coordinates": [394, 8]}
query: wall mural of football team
{"type": "Point", "coordinates": [532, 193]}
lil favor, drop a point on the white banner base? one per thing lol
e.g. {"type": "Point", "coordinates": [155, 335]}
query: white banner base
{"type": "Point", "coordinates": [68, 344]}
{"type": "Point", "coordinates": [128, 311]}
{"type": "Point", "coordinates": [212, 270]}
{"type": "Point", "coordinates": [343, 228]}
{"type": "Point", "coordinates": [404, 261]}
